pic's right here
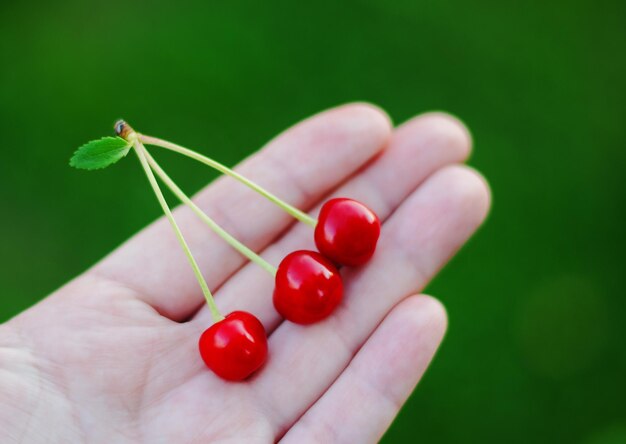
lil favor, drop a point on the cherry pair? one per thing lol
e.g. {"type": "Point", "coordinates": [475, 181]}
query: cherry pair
{"type": "Point", "coordinates": [308, 284]}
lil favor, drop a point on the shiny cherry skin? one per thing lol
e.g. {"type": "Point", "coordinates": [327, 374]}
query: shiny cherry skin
{"type": "Point", "coordinates": [234, 347]}
{"type": "Point", "coordinates": [347, 232]}
{"type": "Point", "coordinates": [308, 287]}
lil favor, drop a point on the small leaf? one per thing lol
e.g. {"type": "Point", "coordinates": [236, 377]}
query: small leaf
{"type": "Point", "coordinates": [100, 153]}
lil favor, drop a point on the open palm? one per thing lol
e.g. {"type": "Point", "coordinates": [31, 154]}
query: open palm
{"type": "Point", "coordinates": [112, 356]}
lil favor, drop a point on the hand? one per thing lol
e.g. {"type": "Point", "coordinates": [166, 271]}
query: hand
{"type": "Point", "coordinates": [112, 356]}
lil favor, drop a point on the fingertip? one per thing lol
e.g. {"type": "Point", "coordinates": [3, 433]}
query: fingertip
{"type": "Point", "coordinates": [358, 128]}
{"type": "Point", "coordinates": [466, 192]}
{"type": "Point", "coordinates": [449, 130]}
{"type": "Point", "coordinates": [368, 119]}
{"type": "Point", "coordinates": [372, 111]}
{"type": "Point", "coordinates": [470, 187]}
{"type": "Point", "coordinates": [424, 309]}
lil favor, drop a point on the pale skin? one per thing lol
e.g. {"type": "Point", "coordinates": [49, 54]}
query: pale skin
{"type": "Point", "coordinates": [112, 356]}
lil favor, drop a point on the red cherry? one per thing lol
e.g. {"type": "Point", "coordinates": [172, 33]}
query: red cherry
{"type": "Point", "coordinates": [234, 347]}
{"type": "Point", "coordinates": [347, 232]}
{"type": "Point", "coordinates": [308, 287]}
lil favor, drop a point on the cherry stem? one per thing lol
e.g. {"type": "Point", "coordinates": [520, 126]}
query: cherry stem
{"type": "Point", "coordinates": [142, 154]}
{"type": "Point", "coordinates": [241, 248]}
{"type": "Point", "coordinates": [300, 215]}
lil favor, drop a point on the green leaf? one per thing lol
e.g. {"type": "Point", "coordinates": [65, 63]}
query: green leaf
{"type": "Point", "coordinates": [100, 153]}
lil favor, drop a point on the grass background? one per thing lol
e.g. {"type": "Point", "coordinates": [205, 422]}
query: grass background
{"type": "Point", "coordinates": [535, 351]}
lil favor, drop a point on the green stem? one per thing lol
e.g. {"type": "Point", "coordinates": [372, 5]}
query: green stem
{"type": "Point", "coordinates": [251, 255]}
{"type": "Point", "coordinates": [141, 153]}
{"type": "Point", "coordinates": [301, 216]}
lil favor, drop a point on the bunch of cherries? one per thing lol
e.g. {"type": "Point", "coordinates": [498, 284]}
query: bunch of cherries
{"type": "Point", "coordinates": [308, 286]}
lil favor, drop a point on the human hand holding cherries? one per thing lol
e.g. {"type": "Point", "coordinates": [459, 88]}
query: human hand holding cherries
{"type": "Point", "coordinates": [325, 347]}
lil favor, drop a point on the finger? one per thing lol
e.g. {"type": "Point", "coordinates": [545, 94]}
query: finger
{"type": "Point", "coordinates": [153, 264]}
{"type": "Point", "coordinates": [417, 149]}
{"type": "Point", "coordinates": [364, 400]}
{"type": "Point", "coordinates": [415, 243]}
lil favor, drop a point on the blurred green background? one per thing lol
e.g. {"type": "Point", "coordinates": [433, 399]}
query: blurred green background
{"type": "Point", "coordinates": [536, 346]}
